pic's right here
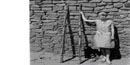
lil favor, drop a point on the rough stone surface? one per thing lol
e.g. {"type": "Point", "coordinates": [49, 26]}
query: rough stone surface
{"type": "Point", "coordinates": [47, 17]}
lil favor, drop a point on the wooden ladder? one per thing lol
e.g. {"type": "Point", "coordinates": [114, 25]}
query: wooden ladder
{"type": "Point", "coordinates": [80, 25]}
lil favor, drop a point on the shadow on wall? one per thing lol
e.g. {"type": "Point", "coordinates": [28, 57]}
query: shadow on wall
{"type": "Point", "coordinates": [115, 52]}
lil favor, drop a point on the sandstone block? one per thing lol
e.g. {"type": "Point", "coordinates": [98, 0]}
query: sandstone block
{"type": "Point", "coordinates": [34, 26]}
{"type": "Point", "coordinates": [124, 11]}
{"type": "Point", "coordinates": [44, 40]}
{"type": "Point", "coordinates": [48, 20]}
{"type": "Point", "coordinates": [34, 6]}
{"type": "Point", "coordinates": [32, 2]}
{"type": "Point", "coordinates": [74, 13]}
{"type": "Point", "coordinates": [123, 1]}
{"type": "Point", "coordinates": [96, 1]}
{"type": "Point", "coordinates": [35, 49]}
{"type": "Point", "coordinates": [86, 8]}
{"type": "Point", "coordinates": [101, 4]}
{"type": "Point", "coordinates": [110, 10]}
{"type": "Point", "coordinates": [109, 6]}
{"type": "Point", "coordinates": [47, 5]}
{"type": "Point", "coordinates": [90, 14]}
{"type": "Point", "coordinates": [72, 7]}
{"type": "Point", "coordinates": [39, 12]}
{"type": "Point", "coordinates": [98, 8]}
{"type": "Point", "coordinates": [89, 4]}
{"type": "Point", "coordinates": [57, 2]}
{"type": "Point", "coordinates": [107, 0]}
{"type": "Point", "coordinates": [127, 5]}
{"type": "Point", "coordinates": [47, 2]}
{"type": "Point", "coordinates": [37, 30]}
{"type": "Point", "coordinates": [51, 33]}
{"type": "Point", "coordinates": [46, 8]}
{"type": "Point", "coordinates": [47, 27]}
{"type": "Point", "coordinates": [72, 2]}
{"type": "Point", "coordinates": [74, 21]}
{"type": "Point", "coordinates": [50, 23]}
{"type": "Point", "coordinates": [115, 0]}
{"type": "Point", "coordinates": [82, 1]}
{"type": "Point", "coordinates": [58, 8]}
{"type": "Point", "coordinates": [118, 5]}
{"type": "Point", "coordinates": [39, 35]}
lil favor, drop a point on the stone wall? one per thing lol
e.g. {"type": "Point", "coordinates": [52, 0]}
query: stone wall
{"type": "Point", "coordinates": [47, 17]}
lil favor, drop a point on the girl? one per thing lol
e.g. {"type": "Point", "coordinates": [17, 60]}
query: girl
{"type": "Point", "coordinates": [104, 34]}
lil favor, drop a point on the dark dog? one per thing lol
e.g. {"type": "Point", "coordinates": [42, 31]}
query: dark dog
{"type": "Point", "coordinates": [91, 53]}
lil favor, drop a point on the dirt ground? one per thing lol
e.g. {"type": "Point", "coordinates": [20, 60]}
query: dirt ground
{"type": "Point", "coordinates": [44, 58]}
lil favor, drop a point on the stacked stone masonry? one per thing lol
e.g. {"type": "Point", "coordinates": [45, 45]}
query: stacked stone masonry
{"type": "Point", "coordinates": [47, 17]}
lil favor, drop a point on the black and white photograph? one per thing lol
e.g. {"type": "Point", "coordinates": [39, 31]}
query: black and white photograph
{"type": "Point", "coordinates": [79, 32]}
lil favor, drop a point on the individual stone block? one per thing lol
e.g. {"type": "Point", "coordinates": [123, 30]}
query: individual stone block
{"type": "Point", "coordinates": [39, 35]}
{"type": "Point", "coordinates": [46, 8]}
{"type": "Point", "coordinates": [115, 0]}
{"type": "Point", "coordinates": [107, 0]}
{"type": "Point", "coordinates": [35, 49]}
{"type": "Point", "coordinates": [39, 13]}
{"type": "Point", "coordinates": [124, 11]}
{"type": "Point", "coordinates": [118, 5]}
{"type": "Point", "coordinates": [44, 40]}
{"type": "Point", "coordinates": [34, 26]}
{"type": "Point", "coordinates": [98, 8]}
{"type": "Point", "coordinates": [123, 0]}
{"type": "Point", "coordinates": [111, 17]}
{"type": "Point", "coordinates": [50, 23]}
{"type": "Point", "coordinates": [101, 4]}
{"type": "Point", "coordinates": [52, 14]}
{"type": "Point", "coordinates": [32, 34]}
{"type": "Point", "coordinates": [82, 1]}
{"type": "Point", "coordinates": [58, 8]}
{"type": "Point", "coordinates": [57, 2]}
{"type": "Point", "coordinates": [72, 7]}
{"type": "Point", "coordinates": [109, 6]}
{"type": "Point", "coordinates": [74, 13]}
{"type": "Point", "coordinates": [47, 2]}
{"type": "Point", "coordinates": [95, 1]}
{"type": "Point", "coordinates": [32, 2]}
{"type": "Point", "coordinates": [48, 20]}
{"type": "Point", "coordinates": [47, 5]}
{"type": "Point", "coordinates": [115, 13]}
{"type": "Point", "coordinates": [72, 2]}
{"type": "Point", "coordinates": [47, 27]}
{"type": "Point", "coordinates": [50, 33]}
{"type": "Point", "coordinates": [60, 4]}
{"type": "Point", "coordinates": [89, 4]}
{"type": "Point", "coordinates": [74, 17]}
{"type": "Point", "coordinates": [90, 14]}
{"type": "Point", "coordinates": [35, 20]}
{"type": "Point", "coordinates": [110, 10]}
{"type": "Point", "coordinates": [34, 6]}
{"type": "Point", "coordinates": [93, 17]}
{"type": "Point", "coordinates": [86, 8]}
{"type": "Point", "coordinates": [37, 1]}
{"type": "Point", "coordinates": [36, 30]}
{"type": "Point", "coordinates": [127, 5]}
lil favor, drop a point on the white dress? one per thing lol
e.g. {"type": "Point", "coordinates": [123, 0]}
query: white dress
{"type": "Point", "coordinates": [102, 37]}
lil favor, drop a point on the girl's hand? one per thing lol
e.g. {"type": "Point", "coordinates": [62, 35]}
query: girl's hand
{"type": "Point", "coordinates": [112, 37]}
{"type": "Point", "coordinates": [81, 12]}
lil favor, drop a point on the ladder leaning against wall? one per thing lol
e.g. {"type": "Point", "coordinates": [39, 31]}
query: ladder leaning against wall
{"type": "Point", "coordinates": [66, 24]}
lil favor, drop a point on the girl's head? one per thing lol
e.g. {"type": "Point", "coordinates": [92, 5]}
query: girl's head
{"type": "Point", "coordinates": [102, 16]}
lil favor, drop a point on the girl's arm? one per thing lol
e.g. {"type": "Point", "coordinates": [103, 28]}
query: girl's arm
{"type": "Point", "coordinates": [112, 31]}
{"type": "Point", "coordinates": [83, 16]}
